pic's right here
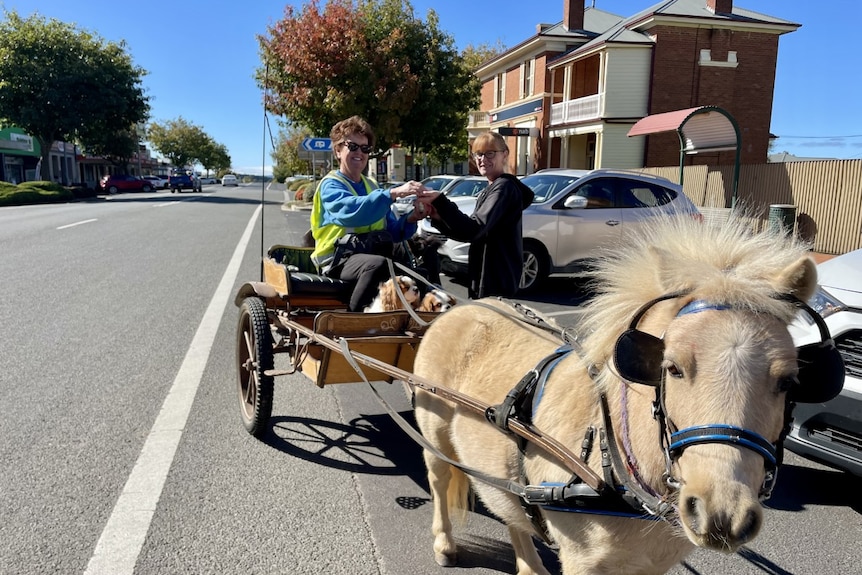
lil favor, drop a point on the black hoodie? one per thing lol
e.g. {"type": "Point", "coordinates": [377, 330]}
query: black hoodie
{"type": "Point", "coordinates": [494, 232]}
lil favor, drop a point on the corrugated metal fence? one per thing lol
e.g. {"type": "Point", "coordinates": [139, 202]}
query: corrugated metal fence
{"type": "Point", "coordinates": [827, 195]}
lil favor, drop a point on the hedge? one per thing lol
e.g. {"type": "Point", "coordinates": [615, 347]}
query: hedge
{"type": "Point", "coordinates": [36, 193]}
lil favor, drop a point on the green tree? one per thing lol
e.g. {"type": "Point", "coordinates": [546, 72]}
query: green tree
{"type": "Point", "coordinates": [180, 141]}
{"type": "Point", "coordinates": [475, 56]}
{"type": "Point", "coordinates": [214, 156]}
{"type": "Point", "coordinates": [61, 83]}
{"type": "Point", "coordinates": [376, 60]}
{"type": "Point", "coordinates": [286, 153]}
{"type": "Point", "coordinates": [116, 146]}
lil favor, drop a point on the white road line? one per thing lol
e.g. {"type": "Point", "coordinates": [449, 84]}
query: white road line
{"type": "Point", "coordinates": [123, 537]}
{"type": "Point", "coordinates": [77, 224]}
{"type": "Point", "coordinates": [174, 203]}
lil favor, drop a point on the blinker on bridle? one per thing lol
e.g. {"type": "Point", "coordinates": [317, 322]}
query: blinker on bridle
{"type": "Point", "coordinates": [638, 358]}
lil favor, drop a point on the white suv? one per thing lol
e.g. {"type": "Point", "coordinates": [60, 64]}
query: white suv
{"type": "Point", "coordinates": [574, 214]}
{"type": "Point", "coordinates": [831, 432]}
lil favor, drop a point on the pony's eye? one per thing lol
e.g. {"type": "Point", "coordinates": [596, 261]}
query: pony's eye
{"type": "Point", "coordinates": [674, 371]}
{"type": "Point", "coordinates": [786, 383]}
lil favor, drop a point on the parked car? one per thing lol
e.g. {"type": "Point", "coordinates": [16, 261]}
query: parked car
{"type": "Point", "coordinates": [440, 182]}
{"type": "Point", "coordinates": [831, 432]}
{"type": "Point", "coordinates": [229, 180]}
{"type": "Point", "coordinates": [180, 180]}
{"type": "Point", "coordinates": [125, 183]}
{"type": "Point", "coordinates": [574, 214]}
{"type": "Point", "coordinates": [451, 186]}
{"type": "Point", "coordinates": [158, 182]}
{"type": "Point", "coordinates": [390, 184]}
{"type": "Point", "coordinates": [208, 181]}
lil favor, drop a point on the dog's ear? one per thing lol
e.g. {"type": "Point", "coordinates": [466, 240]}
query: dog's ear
{"type": "Point", "coordinates": [388, 299]}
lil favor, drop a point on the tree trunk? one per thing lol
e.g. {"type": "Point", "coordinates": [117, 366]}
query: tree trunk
{"type": "Point", "coordinates": [44, 171]}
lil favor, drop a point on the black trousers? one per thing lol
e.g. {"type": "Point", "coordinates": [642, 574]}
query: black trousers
{"type": "Point", "coordinates": [369, 271]}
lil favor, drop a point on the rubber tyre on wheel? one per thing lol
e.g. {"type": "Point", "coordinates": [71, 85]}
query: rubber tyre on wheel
{"type": "Point", "coordinates": [253, 358]}
{"type": "Point", "coordinates": [113, 190]}
{"type": "Point", "coordinates": [535, 266]}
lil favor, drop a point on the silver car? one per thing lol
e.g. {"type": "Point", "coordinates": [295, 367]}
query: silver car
{"type": "Point", "coordinates": [573, 215]}
{"type": "Point", "coordinates": [451, 186]}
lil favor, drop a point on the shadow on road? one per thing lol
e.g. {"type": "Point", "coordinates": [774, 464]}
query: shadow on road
{"type": "Point", "coordinates": [799, 486]}
{"type": "Point", "coordinates": [370, 444]}
{"type": "Point", "coordinates": [559, 290]}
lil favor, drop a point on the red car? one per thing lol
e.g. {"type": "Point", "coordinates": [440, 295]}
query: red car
{"type": "Point", "coordinates": [125, 183]}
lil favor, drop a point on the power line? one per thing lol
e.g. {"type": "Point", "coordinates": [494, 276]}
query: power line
{"type": "Point", "coordinates": [821, 137]}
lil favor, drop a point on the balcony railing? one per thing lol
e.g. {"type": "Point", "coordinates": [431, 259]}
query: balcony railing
{"type": "Point", "coordinates": [586, 108]}
{"type": "Point", "coordinates": [479, 119]}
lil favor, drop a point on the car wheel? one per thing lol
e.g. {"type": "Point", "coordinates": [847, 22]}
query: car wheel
{"type": "Point", "coordinates": [536, 266]}
{"type": "Point", "coordinates": [147, 189]}
{"type": "Point", "coordinates": [113, 190]}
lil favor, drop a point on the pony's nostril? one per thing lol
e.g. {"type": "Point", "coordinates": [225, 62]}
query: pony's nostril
{"type": "Point", "coordinates": [692, 507]}
{"type": "Point", "coordinates": [749, 528]}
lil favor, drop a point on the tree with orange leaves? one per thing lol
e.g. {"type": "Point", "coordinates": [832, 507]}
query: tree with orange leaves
{"type": "Point", "coordinates": [374, 59]}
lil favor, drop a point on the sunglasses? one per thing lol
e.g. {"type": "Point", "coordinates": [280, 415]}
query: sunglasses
{"type": "Point", "coordinates": [489, 155]}
{"type": "Point", "coordinates": [353, 146]}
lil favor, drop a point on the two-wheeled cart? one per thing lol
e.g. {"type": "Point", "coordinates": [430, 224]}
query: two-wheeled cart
{"type": "Point", "coordinates": [295, 312]}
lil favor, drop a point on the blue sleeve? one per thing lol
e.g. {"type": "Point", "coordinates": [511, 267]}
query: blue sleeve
{"type": "Point", "coordinates": [343, 208]}
{"type": "Point", "coordinates": [400, 228]}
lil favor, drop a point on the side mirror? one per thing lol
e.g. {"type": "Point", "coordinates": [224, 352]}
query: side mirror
{"type": "Point", "coordinates": [574, 202]}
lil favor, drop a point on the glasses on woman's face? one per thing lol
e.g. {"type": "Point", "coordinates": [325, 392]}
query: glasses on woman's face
{"type": "Point", "coordinates": [353, 146]}
{"type": "Point", "coordinates": [489, 155]}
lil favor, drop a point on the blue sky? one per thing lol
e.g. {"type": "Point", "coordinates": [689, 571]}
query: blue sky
{"type": "Point", "coordinates": [201, 56]}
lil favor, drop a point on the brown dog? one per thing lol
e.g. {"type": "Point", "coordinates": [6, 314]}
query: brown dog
{"type": "Point", "coordinates": [387, 298]}
{"type": "Point", "coordinates": [437, 301]}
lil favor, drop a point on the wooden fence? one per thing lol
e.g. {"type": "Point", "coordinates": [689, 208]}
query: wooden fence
{"type": "Point", "coordinates": [827, 195]}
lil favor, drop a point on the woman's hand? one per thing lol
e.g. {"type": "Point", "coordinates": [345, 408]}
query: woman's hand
{"type": "Point", "coordinates": [410, 188]}
{"type": "Point", "coordinates": [421, 210]}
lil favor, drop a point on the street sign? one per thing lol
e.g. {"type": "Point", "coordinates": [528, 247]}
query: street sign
{"type": "Point", "coordinates": [317, 144]}
{"type": "Point", "coordinates": [518, 131]}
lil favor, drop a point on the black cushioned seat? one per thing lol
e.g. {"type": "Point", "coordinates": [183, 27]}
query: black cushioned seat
{"type": "Point", "coordinates": [303, 276]}
{"type": "Point", "coordinates": [302, 283]}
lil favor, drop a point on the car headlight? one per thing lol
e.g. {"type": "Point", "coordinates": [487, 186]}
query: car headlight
{"type": "Point", "coordinates": [825, 304]}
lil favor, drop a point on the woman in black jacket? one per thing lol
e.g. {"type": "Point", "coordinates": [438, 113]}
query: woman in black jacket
{"type": "Point", "coordinates": [494, 229]}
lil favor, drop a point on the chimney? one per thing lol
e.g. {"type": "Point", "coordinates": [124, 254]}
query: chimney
{"type": "Point", "coordinates": [720, 6]}
{"type": "Point", "coordinates": [573, 14]}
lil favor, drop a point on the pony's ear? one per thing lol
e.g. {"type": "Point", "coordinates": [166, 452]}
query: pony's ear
{"type": "Point", "coordinates": [799, 278]}
{"type": "Point", "coordinates": [672, 272]}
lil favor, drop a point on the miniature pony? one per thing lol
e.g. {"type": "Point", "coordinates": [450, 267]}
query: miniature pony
{"type": "Point", "coordinates": [725, 360]}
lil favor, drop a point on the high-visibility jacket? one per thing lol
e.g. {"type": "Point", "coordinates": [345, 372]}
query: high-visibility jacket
{"type": "Point", "coordinates": [325, 236]}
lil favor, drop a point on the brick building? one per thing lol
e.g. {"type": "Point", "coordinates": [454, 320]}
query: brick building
{"type": "Point", "coordinates": [568, 95]}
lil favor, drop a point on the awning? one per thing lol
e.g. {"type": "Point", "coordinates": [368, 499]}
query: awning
{"type": "Point", "coordinates": [701, 129]}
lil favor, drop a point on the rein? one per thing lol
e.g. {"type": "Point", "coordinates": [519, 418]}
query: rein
{"type": "Point", "coordinates": [586, 492]}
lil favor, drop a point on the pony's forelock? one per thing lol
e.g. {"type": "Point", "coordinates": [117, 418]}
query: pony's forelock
{"type": "Point", "coordinates": [729, 263]}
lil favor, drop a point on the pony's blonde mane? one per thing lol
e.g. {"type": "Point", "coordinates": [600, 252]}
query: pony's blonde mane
{"type": "Point", "coordinates": [729, 264]}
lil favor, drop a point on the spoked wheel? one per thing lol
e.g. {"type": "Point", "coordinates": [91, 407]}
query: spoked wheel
{"type": "Point", "coordinates": [253, 358]}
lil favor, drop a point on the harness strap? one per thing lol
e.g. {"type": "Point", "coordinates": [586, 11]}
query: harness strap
{"type": "Point", "coordinates": [650, 503]}
{"type": "Point", "coordinates": [519, 401]}
{"type": "Point", "coordinates": [504, 484]}
{"type": "Point", "coordinates": [573, 496]}
{"type": "Point", "coordinates": [530, 317]}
